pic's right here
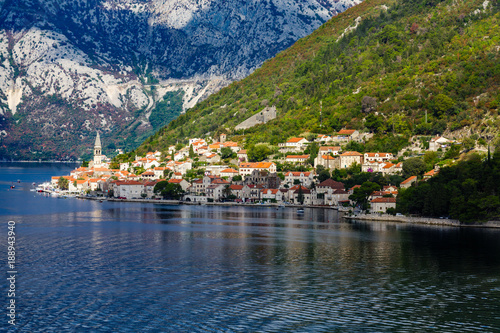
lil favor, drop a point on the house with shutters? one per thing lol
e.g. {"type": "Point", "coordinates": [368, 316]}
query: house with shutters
{"type": "Point", "coordinates": [349, 158]}
{"type": "Point", "coordinates": [303, 177]}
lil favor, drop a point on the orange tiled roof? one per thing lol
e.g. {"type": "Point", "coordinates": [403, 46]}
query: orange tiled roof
{"type": "Point", "coordinates": [382, 200]}
{"type": "Point", "coordinates": [351, 153]}
{"type": "Point", "coordinates": [297, 156]}
{"type": "Point", "coordinates": [256, 165]}
{"type": "Point", "coordinates": [346, 132]}
{"type": "Point", "coordinates": [409, 180]}
{"type": "Point", "coordinates": [294, 140]}
{"type": "Point", "coordinates": [229, 170]}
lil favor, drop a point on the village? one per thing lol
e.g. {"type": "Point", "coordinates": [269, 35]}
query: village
{"type": "Point", "coordinates": [197, 173]}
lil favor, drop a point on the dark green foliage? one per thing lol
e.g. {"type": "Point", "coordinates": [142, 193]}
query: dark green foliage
{"type": "Point", "coordinates": [167, 110]}
{"type": "Point", "coordinates": [63, 183]}
{"type": "Point", "coordinates": [418, 56]}
{"type": "Point", "coordinates": [468, 191]}
{"type": "Point", "coordinates": [168, 190]}
{"type": "Point", "coordinates": [414, 167]}
{"type": "Point", "coordinates": [257, 153]}
{"type": "Point", "coordinates": [360, 194]}
{"type": "Point", "coordinates": [323, 175]}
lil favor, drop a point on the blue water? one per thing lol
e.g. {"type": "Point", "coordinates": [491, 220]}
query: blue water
{"type": "Point", "coordinates": [85, 266]}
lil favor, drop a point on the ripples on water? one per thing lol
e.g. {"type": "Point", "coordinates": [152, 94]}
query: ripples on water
{"type": "Point", "coordinates": [118, 267]}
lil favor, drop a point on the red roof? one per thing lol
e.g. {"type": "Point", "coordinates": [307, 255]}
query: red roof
{"type": "Point", "coordinates": [297, 156]}
{"type": "Point", "coordinates": [236, 187]}
{"type": "Point", "coordinates": [346, 131]}
{"type": "Point", "coordinates": [351, 153]}
{"type": "Point", "coordinates": [175, 181]}
{"type": "Point", "coordinates": [384, 200]}
{"type": "Point", "coordinates": [294, 140]}
{"type": "Point", "coordinates": [332, 184]}
{"type": "Point", "coordinates": [297, 173]}
{"type": "Point", "coordinates": [229, 170]}
{"type": "Point", "coordinates": [412, 178]}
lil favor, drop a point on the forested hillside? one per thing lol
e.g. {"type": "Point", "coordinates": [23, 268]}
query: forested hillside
{"type": "Point", "coordinates": [385, 66]}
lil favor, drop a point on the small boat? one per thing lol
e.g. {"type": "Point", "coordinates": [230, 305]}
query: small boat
{"type": "Point", "coordinates": [18, 180]}
{"type": "Point", "coordinates": [300, 211]}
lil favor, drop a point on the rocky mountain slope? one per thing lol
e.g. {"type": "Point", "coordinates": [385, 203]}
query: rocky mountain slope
{"type": "Point", "coordinates": [392, 67]}
{"type": "Point", "coordinates": [70, 67]}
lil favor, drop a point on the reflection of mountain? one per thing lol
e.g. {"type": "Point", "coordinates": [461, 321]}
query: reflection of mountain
{"type": "Point", "coordinates": [70, 67]}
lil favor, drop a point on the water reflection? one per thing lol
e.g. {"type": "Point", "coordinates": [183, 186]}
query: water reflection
{"type": "Point", "coordinates": [147, 267]}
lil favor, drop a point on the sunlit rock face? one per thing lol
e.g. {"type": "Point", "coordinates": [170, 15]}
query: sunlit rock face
{"type": "Point", "coordinates": [69, 67]}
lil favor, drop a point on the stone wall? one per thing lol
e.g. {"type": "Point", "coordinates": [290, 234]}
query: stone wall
{"type": "Point", "coordinates": [269, 113]}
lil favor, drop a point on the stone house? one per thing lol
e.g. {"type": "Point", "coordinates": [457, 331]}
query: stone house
{"type": "Point", "coordinates": [380, 205]}
{"type": "Point", "coordinates": [349, 158]}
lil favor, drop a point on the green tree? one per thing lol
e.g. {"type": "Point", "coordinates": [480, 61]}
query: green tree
{"type": "Point", "coordinates": [63, 183]}
{"type": "Point", "coordinates": [323, 175]}
{"type": "Point", "coordinates": [360, 194]}
{"type": "Point", "coordinates": [226, 152]}
{"type": "Point", "coordinates": [443, 104]}
{"type": "Point", "coordinates": [414, 167]}
{"type": "Point", "coordinates": [191, 152]}
{"type": "Point", "coordinates": [300, 195]}
{"type": "Point", "coordinates": [85, 164]}
{"type": "Point", "coordinates": [227, 191]}
{"type": "Point", "coordinates": [257, 153]}
{"type": "Point", "coordinates": [168, 190]}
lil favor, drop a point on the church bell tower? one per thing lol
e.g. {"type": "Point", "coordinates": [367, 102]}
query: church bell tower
{"type": "Point", "coordinates": [97, 151]}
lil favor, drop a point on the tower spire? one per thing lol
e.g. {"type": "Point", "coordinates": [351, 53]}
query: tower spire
{"type": "Point", "coordinates": [97, 140]}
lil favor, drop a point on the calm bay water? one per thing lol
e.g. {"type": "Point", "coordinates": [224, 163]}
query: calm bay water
{"type": "Point", "coordinates": [85, 266]}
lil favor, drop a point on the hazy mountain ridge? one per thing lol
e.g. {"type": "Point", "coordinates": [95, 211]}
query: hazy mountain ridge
{"type": "Point", "coordinates": [82, 65]}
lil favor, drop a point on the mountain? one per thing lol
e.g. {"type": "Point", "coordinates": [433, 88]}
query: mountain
{"type": "Point", "coordinates": [392, 67]}
{"type": "Point", "coordinates": [127, 67]}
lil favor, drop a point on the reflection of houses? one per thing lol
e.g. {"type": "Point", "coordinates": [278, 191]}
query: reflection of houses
{"type": "Point", "coordinates": [349, 158]}
{"type": "Point", "coordinates": [380, 205]}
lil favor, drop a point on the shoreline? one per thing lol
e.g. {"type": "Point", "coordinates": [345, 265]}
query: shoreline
{"type": "Point", "coordinates": [361, 217]}
{"type": "Point", "coordinates": [422, 221]}
{"type": "Point", "coordinates": [180, 202]}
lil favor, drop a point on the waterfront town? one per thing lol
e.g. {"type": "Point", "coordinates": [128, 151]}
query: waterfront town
{"type": "Point", "coordinates": [198, 173]}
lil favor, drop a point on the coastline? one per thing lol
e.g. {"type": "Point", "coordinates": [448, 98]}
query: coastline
{"type": "Point", "coordinates": [421, 220]}
{"type": "Point", "coordinates": [180, 202]}
{"type": "Point", "coordinates": [361, 217]}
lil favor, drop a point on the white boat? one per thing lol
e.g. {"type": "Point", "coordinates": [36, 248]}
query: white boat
{"type": "Point", "coordinates": [300, 211]}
